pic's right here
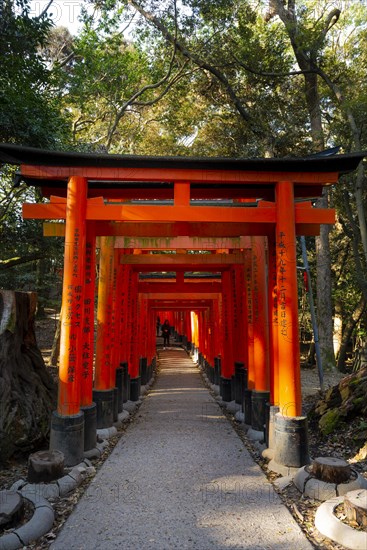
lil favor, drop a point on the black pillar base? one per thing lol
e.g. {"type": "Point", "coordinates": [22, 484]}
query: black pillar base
{"type": "Point", "coordinates": [211, 374]}
{"type": "Point", "coordinates": [144, 370]}
{"type": "Point", "coordinates": [135, 385]}
{"type": "Point", "coordinates": [291, 441]}
{"type": "Point", "coordinates": [216, 371]}
{"type": "Point", "coordinates": [226, 389]}
{"type": "Point", "coordinates": [115, 404]}
{"type": "Point", "coordinates": [247, 406]}
{"type": "Point", "coordinates": [240, 374]}
{"type": "Point", "coordinates": [119, 381]}
{"type": "Point", "coordinates": [271, 411]}
{"type": "Point", "coordinates": [258, 414]}
{"type": "Point", "coordinates": [233, 387]}
{"type": "Point", "coordinates": [125, 382]}
{"type": "Point", "coordinates": [104, 401]}
{"type": "Point", "coordinates": [67, 436]}
{"type": "Point", "coordinates": [90, 426]}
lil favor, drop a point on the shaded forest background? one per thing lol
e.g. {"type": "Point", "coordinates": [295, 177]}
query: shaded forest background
{"type": "Point", "coordinates": [238, 78]}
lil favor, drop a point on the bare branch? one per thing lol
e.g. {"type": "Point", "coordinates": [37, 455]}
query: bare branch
{"type": "Point", "coordinates": [273, 75]}
{"type": "Point", "coordinates": [45, 10]}
{"type": "Point", "coordinates": [19, 260]}
{"type": "Point", "coordinates": [201, 63]}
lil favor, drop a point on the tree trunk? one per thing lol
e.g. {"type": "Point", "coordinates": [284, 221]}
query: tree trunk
{"type": "Point", "coordinates": [338, 327]}
{"type": "Point", "coordinates": [348, 331]}
{"type": "Point", "coordinates": [28, 392]}
{"type": "Point", "coordinates": [323, 286]}
{"type": "Point", "coordinates": [55, 352]}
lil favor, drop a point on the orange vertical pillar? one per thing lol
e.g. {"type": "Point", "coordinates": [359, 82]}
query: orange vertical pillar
{"type": "Point", "coordinates": [291, 441]}
{"type": "Point", "coordinates": [260, 314]}
{"type": "Point", "coordinates": [273, 344]}
{"type": "Point", "coordinates": [288, 336]}
{"type": "Point", "coordinates": [123, 310]}
{"type": "Point", "coordinates": [194, 331]}
{"type": "Point", "coordinates": [124, 329]}
{"type": "Point", "coordinates": [240, 334]}
{"type": "Point", "coordinates": [67, 424]}
{"type": "Point", "coordinates": [240, 325]}
{"type": "Point", "coordinates": [188, 332]}
{"type": "Point", "coordinates": [227, 327]}
{"type": "Point", "coordinates": [117, 369]}
{"type": "Point", "coordinates": [86, 398]}
{"type": "Point", "coordinates": [250, 320]}
{"type": "Point", "coordinates": [260, 394]}
{"type": "Point", "coordinates": [143, 340]}
{"type": "Point", "coordinates": [103, 393]}
{"type": "Point", "coordinates": [273, 332]}
{"type": "Point", "coordinates": [132, 317]}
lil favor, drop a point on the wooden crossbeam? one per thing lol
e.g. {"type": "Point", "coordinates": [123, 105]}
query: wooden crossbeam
{"type": "Point", "coordinates": [153, 261]}
{"type": "Point", "coordinates": [195, 298]}
{"type": "Point", "coordinates": [180, 288]}
{"type": "Point", "coordinates": [206, 176]}
{"type": "Point", "coordinates": [182, 242]}
{"type": "Point", "coordinates": [211, 214]}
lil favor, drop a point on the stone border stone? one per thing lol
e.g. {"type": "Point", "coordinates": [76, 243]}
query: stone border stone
{"type": "Point", "coordinates": [317, 489]}
{"type": "Point", "coordinates": [331, 527]}
{"type": "Point", "coordinates": [40, 523]}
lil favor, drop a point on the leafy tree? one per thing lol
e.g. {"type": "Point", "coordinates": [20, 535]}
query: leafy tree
{"type": "Point", "coordinates": [29, 115]}
{"type": "Point", "coordinates": [29, 112]}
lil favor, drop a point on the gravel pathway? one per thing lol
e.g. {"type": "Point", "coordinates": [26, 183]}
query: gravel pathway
{"type": "Point", "coordinates": [180, 478]}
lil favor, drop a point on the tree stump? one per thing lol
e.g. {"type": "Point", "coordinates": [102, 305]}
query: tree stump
{"type": "Point", "coordinates": [45, 466]}
{"type": "Point", "coordinates": [28, 392]}
{"type": "Point", "coordinates": [355, 507]}
{"type": "Point", "coordinates": [331, 470]}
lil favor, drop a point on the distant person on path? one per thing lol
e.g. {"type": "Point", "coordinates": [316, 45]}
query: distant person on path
{"type": "Point", "coordinates": [166, 329]}
{"type": "Point", "coordinates": [158, 325]}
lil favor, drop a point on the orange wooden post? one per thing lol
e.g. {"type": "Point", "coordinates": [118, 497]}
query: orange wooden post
{"type": "Point", "coordinates": [67, 424]}
{"type": "Point", "coordinates": [288, 336]}
{"type": "Point", "coordinates": [88, 319]}
{"type": "Point", "coordinates": [210, 329]}
{"type": "Point", "coordinates": [103, 393]}
{"type": "Point", "coordinates": [143, 342]}
{"type": "Point", "coordinates": [118, 285]}
{"type": "Point", "coordinates": [273, 345]}
{"type": "Point", "coordinates": [260, 314]}
{"type": "Point", "coordinates": [86, 397]}
{"type": "Point", "coordinates": [124, 271]}
{"type": "Point", "coordinates": [227, 327]}
{"type": "Point", "coordinates": [291, 440]}
{"type": "Point", "coordinates": [273, 332]}
{"type": "Point", "coordinates": [188, 332]}
{"type": "Point", "coordinates": [124, 329]}
{"type": "Point", "coordinates": [117, 370]}
{"type": "Point", "coordinates": [260, 394]}
{"type": "Point", "coordinates": [239, 319]}
{"type": "Point", "coordinates": [239, 334]}
{"type": "Point", "coordinates": [194, 331]}
{"type": "Point", "coordinates": [250, 320]}
{"type": "Point", "coordinates": [135, 379]}
{"type": "Point", "coordinates": [201, 332]}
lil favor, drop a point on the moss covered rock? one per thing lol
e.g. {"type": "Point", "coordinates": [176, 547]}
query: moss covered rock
{"type": "Point", "coordinates": [342, 403]}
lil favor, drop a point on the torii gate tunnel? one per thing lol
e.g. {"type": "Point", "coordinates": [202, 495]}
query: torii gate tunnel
{"type": "Point", "coordinates": [210, 244]}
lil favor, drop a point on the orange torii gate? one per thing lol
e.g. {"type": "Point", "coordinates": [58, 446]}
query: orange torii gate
{"type": "Point", "coordinates": [95, 196]}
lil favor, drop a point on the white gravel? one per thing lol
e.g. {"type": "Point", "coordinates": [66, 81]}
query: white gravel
{"type": "Point", "coordinates": [180, 478]}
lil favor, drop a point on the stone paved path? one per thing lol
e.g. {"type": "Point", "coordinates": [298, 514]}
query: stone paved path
{"type": "Point", "coordinates": [180, 478]}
